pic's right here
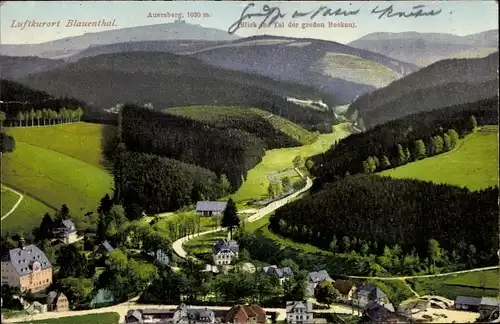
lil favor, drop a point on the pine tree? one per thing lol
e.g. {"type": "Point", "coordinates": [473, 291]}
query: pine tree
{"type": "Point", "coordinates": [408, 155]}
{"type": "Point", "coordinates": [439, 144]}
{"type": "Point", "coordinates": [230, 218]}
{"type": "Point", "coordinates": [226, 185]}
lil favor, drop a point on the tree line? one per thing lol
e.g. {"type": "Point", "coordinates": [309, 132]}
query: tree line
{"type": "Point", "coordinates": [47, 117]}
{"type": "Point", "coordinates": [401, 141]}
{"type": "Point", "coordinates": [389, 212]}
{"type": "Point", "coordinates": [224, 151]}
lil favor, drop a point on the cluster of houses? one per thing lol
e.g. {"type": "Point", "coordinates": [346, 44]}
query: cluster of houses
{"type": "Point", "coordinates": [186, 315]}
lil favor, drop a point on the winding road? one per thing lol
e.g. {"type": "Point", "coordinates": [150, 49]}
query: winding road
{"type": "Point", "coordinates": [15, 205]}
{"type": "Point", "coordinates": [179, 249]}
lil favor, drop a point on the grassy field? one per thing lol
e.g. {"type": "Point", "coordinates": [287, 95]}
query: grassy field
{"type": "Point", "coordinates": [468, 284]}
{"type": "Point", "coordinates": [255, 186]}
{"type": "Point", "coordinates": [101, 318]}
{"type": "Point", "coordinates": [27, 215]}
{"type": "Point", "coordinates": [206, 223]}
{"type": "Point", "coordinates": [221, 113]}
{"type": "Point", "coordinates": [347, 67]}
{"type": "Point", "coordinates": [81, 141]}
{"type": "Point", "coordinates": [474, 163]}
{"type": "Point", "coordinates": [56, 165]}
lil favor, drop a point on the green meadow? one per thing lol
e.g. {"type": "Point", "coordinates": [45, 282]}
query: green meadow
{"type": "Point", "coordinates": [472, 164]}
{"type": "Point", "coordinates": [100, 318]}
{"type": "Point", "coordinates": [27, 215]}
{"type": "Point", "coordinates": [256, 183]}
{"type": "Point", "coordinates": [56, 165]}
{"type": "Point", "coordinates": [474, 284]}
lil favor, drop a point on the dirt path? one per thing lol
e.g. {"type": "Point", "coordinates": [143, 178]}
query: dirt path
{"type": "Point", "coordinates": [427, 276]}
{"type": "Point", "coordinates": [15, 205]}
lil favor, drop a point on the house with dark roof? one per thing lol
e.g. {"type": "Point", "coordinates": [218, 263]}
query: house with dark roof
{"type": "Point", "coordinates": [281, 274]}
{"type": "Point", "coordinates": [364, 294]}
{"type": "Point", "coordinates": [489, 309]}
{"type": "Point", "coordinates": [186, 315]}
{"type": "Point", "coordinates": [299, 312]}
{"type": "Point", "coordinates": [210, 208]}
{"type": "Point", "coordinates": [345, 289]}
{"type": "Point", "coordinates": [57, 302]}
{"type": "Point", "coordinates": [246, 314]}
{"type": "Point", "coordinates": [315, 278]}
{"type": "Point", "coordinates": [27, 268]}
{"type": "Point", "coordinates": [467, 303]}
{"type": "Point", "coordinates": [224, 252]}
{"type": "Point", "coordinates": [66, 232]}
{"type": "Point", "coordinates": [374, 313]}
{"type": "Point", "coordinates": [105, 248]}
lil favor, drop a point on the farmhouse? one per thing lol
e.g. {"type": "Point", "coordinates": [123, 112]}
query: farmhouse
{"type": "Point", "coordinates": [210, 208]}
{"type": "Point", "coordinates": [57, 302]}
{"type": "Point", "coordinates": [281, 274]}
{"type": "Point", "coordinates": [374, 313]}
{"type": "Point", "coordinates": [364, 294]}
{"type": "Point", "coordinates": [245, 314]}
{"type": "Point", "coordinates": [345, 288]}
{"type": "Point", "coordinates": [105, 248]}
{"type": "Point", "coordinates": [27, 268]}
{"type": "Point", "coordinates": [470, 304]}
{"type": "Point", "coordinates": [314, 279]}
{"type": "Point", "coordinates": [186, 315]}
{"type": "Point", "coordinates": [66, 232]}
{"type": "Point", "coordinates": [224, 252]}
{"type": "Point", "coordinates": [299, 312]}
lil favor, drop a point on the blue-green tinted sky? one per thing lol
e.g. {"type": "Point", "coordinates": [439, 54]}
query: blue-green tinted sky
{"type": "Point", "coordinates": [457, 17]}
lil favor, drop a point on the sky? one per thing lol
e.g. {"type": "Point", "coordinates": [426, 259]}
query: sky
{"type": "Point", "coordinates": [456, 17]}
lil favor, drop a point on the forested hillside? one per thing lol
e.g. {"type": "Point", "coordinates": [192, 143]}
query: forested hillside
{"type": "Point", "coordinates": [224, 151]}
{"type": "Point", "coordinates": [442, 84]}
{"type": "Point", "coordinates": [168, 80]}
{"type": "Point", "coordinates": [277, 132]}
{"type": "Point", "coordinates": [157, 184]}
{"type": "Point", "coordinates": [401, 141]}
{"type": "Point", "coordinates": [381, 212]}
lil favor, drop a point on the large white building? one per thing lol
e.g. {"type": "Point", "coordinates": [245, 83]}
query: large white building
{"type": "Point", "coordinates": [224, 252]}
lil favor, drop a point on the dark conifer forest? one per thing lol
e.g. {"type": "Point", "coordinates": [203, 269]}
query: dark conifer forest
{"type": "Point", "coordinates": [224, 151]}
{"type": "Point", "coordinates": [384, 212]}
{"type": "Point", "coordinates": [397, 142]}
{"type": "Point", "coordinates": [157, 184]}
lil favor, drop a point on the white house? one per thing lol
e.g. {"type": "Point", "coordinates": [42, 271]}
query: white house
{"type": "Point", "coordinates": [67, 232]}
{"type": "Point", "coordinates": [224, 252]}
{"type": "Point", "coordinates": [210, 208]}
{"type": "Point", "coordinates": [299, 312]}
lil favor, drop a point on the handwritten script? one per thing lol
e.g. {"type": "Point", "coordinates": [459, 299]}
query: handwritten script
{"type": "Point", "coordinates": [270, 15]}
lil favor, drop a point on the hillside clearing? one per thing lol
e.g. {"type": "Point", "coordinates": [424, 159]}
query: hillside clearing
{"type": "Point", "coordinates": [347, 67]}
{"type": "Point", "coordinates": [474, 163]}
{"type": "Point", "coordinates": [256, 183]}
{"type": "Point", "coordinates": [55, 178]}
{"type": "Point", "coordinates": [221, 114]}
{"type": "Point", "coordinates": [81, 141]}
